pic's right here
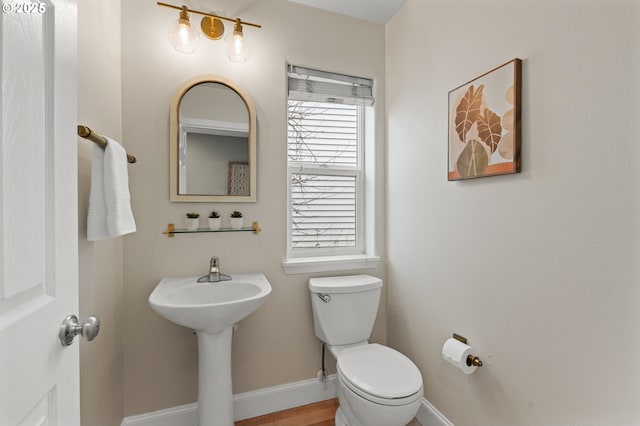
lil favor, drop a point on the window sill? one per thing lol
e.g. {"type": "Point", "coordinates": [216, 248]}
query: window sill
{"type": "Point", "coordinates": [329, 263]}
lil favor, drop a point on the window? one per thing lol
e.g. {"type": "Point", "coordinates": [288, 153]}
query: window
{"type": "Point", "coordinates": [324, 177]}
{"type": "Point", "coordinates": [325, 153]}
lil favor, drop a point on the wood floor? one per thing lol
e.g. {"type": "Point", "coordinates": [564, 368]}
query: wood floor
{"type": "Point", "coordinates": [318, 414]}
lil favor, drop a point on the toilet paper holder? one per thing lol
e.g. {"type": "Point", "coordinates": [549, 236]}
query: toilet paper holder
{"type": "Point", "coordinates": [471, 359]}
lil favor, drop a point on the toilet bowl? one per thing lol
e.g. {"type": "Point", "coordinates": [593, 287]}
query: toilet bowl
{"type": "Point", "coordinates": [377, 385]}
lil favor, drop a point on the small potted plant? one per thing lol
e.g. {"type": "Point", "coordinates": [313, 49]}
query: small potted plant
{"type": "Point", "coordinates": [214, 221]}
{"type": "Point", "coordinates": [236, 220]}
{"type": "Point", "coordinates": [192, 221]}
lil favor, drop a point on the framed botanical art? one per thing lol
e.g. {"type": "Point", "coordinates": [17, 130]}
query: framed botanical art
{"type": "Point", "coordinates": [484, 124]}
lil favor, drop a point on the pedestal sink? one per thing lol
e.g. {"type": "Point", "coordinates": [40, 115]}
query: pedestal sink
{"type": "Point", "coordinates": [211, 309]}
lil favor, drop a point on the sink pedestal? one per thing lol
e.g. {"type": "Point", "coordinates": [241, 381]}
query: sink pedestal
{"type": "Point", "coordinates": [215, 393]}
{"type": "Point", "coordinates": [211, 308]}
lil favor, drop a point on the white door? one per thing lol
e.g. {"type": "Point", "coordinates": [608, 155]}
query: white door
{"type": "Point", "coordinates": [39, 378]}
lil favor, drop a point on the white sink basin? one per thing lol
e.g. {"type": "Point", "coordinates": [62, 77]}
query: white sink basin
{"type": "Point", "coordinates": [210, 306]}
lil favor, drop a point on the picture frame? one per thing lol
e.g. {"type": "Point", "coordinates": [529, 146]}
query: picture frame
{"type": "Point", "coordinates": [484, 124]}
{"type": "Point", "coordinates": [238, 178]}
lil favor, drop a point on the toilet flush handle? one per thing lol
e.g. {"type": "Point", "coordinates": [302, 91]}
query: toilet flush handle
{"type": "Point", "coordinates": [326, 298]}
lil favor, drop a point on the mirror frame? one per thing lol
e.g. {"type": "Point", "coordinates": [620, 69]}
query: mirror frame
{"type": "Point", "coordinates": [174, 137]}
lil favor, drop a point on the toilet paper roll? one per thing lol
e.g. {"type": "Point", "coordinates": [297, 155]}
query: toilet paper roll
{"type": "Point", "coordinates": [455, 352]}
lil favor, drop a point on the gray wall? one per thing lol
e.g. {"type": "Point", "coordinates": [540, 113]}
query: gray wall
{"type": "Point", "coordinates": [100, 263]}
{"type": "Point", "coordinates": [536, 269]}
{"type": "Point", "coordinates": [208, 158]}
{"type": "Point", "coordinates": [540, 269]}
{"type": "Point", "coordinates": [276, 344]}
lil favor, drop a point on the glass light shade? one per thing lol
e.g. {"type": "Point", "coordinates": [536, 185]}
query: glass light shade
{"type": "Point", "coordinates": [237, 47]}
{"type": "Point", "coordinates": [183, 36]}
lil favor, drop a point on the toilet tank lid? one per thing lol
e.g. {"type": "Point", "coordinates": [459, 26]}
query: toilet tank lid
{"type": "Point", "coordinates": [345, 284]}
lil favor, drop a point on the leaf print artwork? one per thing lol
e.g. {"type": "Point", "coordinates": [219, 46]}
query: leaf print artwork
{"type": "Point", "coordinates": [507, 120]}
{"type": "Point", "coordinates": [489, 128]}
{"type": "Point", "coordinates": [473, 160]}
{"type": "Point", "coordinates": [505, 147]}
{"type": "Point", "coordinates": [468, 110]}
{"type": "Point", "coordinates": [509, 96]}
{"type": "Point", "coordinates": [484, 128]}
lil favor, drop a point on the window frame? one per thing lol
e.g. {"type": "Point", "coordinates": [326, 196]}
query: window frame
{"type": "Point", "coordinates": [368, 233]}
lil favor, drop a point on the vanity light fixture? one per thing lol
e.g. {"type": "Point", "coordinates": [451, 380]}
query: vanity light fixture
{"type": "Point", "coordinates": [185, 38]}
{"type": "Point", "coordinates": [237, 46]}
{"type": "Point", "coordinates": [182, 35]}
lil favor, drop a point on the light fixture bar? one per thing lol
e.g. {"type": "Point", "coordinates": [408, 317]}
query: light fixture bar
{"type": "Point", "coordinates": [209, 14]}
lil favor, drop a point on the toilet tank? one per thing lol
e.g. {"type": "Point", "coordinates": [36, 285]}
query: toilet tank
{"type": "Point", "coordinates": [348, 316]}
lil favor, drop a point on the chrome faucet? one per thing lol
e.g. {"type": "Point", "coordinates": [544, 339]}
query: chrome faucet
{"type": "Point", "coordinates": [214, 269]}
{"type": "Point", "coordinates": [214, 274]}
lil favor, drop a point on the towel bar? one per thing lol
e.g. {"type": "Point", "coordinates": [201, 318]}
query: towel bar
{"type": "Point", "coordinates": [87, 133]}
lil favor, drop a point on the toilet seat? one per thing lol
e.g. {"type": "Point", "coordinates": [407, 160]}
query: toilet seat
{"type": "Point", "coordinates": [380, 374]}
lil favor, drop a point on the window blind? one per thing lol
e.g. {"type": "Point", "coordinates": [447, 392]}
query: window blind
{"type": "Point", "coordinates": [321, 86]}
{"type": "Point", "coordinates": [323, 211]}
{"type": "Point", "coordinates": [322, 134]}
{"type": "Point", "coordinates": [323, 164]}
{"type": "Point", "coordinates": [324, 152]}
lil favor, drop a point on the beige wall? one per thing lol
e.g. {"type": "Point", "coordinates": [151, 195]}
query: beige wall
{"type": "Point", "coordinates": [276, 344]}
{"type": "Point", "coordinates": [100, 263]}
{"type": "Point", "coordinates": [539, 270]}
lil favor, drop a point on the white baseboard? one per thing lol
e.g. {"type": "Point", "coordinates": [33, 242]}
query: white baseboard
{"type": "Point", "coordinates": [246, 405]}
{"type": "Point", "coordinates": [270, 400]}
{"type": "Point", "coordinates": [184, 415]}
{"type": "Point", "coordinates": [277, 398]}
{"type": "Point", "coordinates": [428, 415]}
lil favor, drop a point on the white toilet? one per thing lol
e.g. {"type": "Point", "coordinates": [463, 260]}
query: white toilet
{"type": "Point", "coordinates": [377, 385]}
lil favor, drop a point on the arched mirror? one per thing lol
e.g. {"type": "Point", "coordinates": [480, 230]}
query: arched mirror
{"type": "Point", "coordinates": [212, 143]}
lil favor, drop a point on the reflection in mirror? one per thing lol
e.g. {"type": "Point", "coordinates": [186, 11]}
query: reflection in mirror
{"type": "Point", "coordinates": [212, 143]}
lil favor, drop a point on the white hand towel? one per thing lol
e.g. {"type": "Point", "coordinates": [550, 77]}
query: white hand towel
{"type": "Point", "coordinates": [97, 215]}
{"type": "Point", "coordinates": [110, 212]}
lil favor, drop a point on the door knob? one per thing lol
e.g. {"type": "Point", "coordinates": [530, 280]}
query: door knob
{"type": "Point", "coordinates": [70, 328]}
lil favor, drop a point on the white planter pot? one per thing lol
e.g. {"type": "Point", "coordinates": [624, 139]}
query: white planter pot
{"type": "Point", "coordinates": [236, 222]}
{"type": "Point", "coordinates": [214, 223]}
{"type": "Point", "coordinates": [192, 223]}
